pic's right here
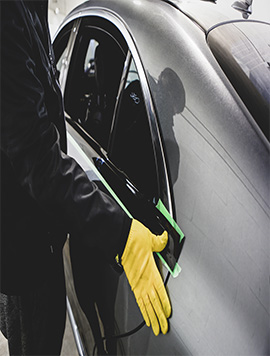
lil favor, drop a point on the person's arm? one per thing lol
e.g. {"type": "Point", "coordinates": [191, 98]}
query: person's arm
{"type": "Point", "coordinates": [58, 183]}
{"type": "Point", "coordinates": [31, 143]}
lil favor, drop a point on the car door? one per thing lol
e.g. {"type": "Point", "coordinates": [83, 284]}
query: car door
{"type": "Point", "coordinates": [113, 135]}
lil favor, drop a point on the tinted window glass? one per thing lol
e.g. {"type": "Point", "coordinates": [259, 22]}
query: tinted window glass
{"type": "Point", "coordinates": [93, 82]}
{"type": "Point", "coordinates": [60, 47]}
{"type": "Point", "coordinates": [132, 148]}
{"type": "Point", "coordinates": [61, 60]}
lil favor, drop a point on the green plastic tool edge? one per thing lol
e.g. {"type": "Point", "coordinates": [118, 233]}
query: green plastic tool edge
{"type": "Point", "coordinates": [160, 206]}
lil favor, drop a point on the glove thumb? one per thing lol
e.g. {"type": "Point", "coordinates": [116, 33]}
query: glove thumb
{"type": "Point", "coordinates": [159, 242]}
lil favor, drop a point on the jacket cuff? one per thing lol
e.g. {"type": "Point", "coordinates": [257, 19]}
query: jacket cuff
{"type": "Point", "coordinates": [115, 260]}
{"type": "Point", "coordinates": [124, 236]}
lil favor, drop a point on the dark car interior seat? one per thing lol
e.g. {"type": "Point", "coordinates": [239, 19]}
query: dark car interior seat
{"type": "Point", "coordinates": [109, 62]}
{"type": "Point", "coordinates": [92, 87]}
{"type": "Point", "coordinates": [132, 147]}
{"type": "Point", "coordinates": [80, 89]}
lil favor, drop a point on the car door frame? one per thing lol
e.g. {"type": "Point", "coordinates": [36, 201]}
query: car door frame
{"type": "Point", "coordinates": [102, 154]}
{"type": "Point", "coordinates": [166, 191]}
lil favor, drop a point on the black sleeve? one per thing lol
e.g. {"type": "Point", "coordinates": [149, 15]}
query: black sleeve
{"type": "Point", "coordinates": [31, 142]}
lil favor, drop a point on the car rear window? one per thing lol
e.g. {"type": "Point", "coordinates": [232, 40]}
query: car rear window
{"type": "Point", "coordinates": [243, 51]}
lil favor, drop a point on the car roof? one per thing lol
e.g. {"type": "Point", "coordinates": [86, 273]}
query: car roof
{"type": "Point", "coordinates": [209, 13]}
{"type": "Point", "coordinates": [206, 13]}
{"type": "Point", "coordinates": [166, 32]}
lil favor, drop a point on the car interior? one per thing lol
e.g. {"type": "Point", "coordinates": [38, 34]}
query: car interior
{"type": "Point", "coordinates": [90, 99]}
{"type": "Point", "coordinates": [93, 83]}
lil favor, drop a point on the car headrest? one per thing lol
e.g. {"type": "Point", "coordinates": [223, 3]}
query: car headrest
{"type": "Point", "coordinates": [109, 61]}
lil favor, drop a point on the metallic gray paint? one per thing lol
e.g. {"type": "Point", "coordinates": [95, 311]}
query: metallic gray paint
{"type": "Point", "coordinates": [221, 186]}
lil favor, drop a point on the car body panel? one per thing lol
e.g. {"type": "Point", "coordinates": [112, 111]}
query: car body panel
{"type": "Point", "coordinates": [246, 64]}
{"type": "Point", "coordinates": [207, 14]}
{"type": "Point", "coordinates": [214, 171]}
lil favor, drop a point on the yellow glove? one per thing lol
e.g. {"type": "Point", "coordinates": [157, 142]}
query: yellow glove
{"type": "Point", "coordinates": [144, 277]}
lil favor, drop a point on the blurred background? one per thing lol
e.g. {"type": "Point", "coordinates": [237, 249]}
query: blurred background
{"type": "Point", "coordinates": [58, 9]}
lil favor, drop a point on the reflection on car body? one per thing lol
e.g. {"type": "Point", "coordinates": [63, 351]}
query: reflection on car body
{"type": "Point", "coordinates": [167, 104]}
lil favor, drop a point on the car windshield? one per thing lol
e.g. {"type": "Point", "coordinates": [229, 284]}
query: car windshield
{"type": "Point", "coordinates": [243, 51]}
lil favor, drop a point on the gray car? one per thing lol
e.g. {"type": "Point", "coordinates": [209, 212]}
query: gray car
{"type": "Point", "coordinates": [167, 107]}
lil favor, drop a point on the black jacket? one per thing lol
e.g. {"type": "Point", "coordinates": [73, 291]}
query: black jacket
{"type": "Point", "coordinates": [44, 192]}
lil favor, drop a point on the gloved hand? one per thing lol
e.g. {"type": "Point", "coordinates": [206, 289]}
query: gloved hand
{"type": "Point", "coordinates": [143, 275]}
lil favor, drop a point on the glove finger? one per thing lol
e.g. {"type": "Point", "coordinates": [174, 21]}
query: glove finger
{"type": "Point", "coordinates": [143, 311]}
{"type": "Point", "coordinates": [152, 315]}
{"type": "Point", "coordinates": [163, 296]}
{"type": "Point", "coordinates": [159, 242]}
{"type": "Point", "coordinates": [155, 301]}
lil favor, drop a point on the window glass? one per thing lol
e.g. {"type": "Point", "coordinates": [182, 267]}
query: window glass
{"type": "Point", "coordinates": [89, 64]}
{"type": "Point", "coordinates": [61, 60]}
{"type": "Point", "coordinates": [93, 82]}
{"type": "Point", "coordinates": [132, 148]}
{"type": "Point", "coordinates": [60, 46]}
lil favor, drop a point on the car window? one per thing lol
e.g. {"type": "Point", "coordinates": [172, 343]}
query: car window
{"type": "Point", "coordinates": [93, 81]}
{"type": "Point", "coordinates": [91, 93]}
{"type": "Point", "coordinates": [61, 48]}
{"type": "Point", "coordinates": [132, 147]}
{"type": "Point", "coordinates": [61, 60]}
